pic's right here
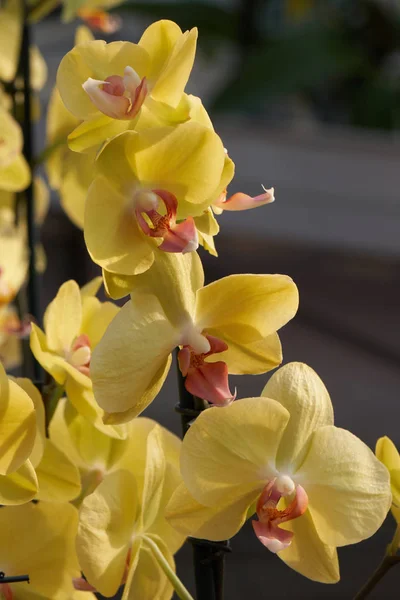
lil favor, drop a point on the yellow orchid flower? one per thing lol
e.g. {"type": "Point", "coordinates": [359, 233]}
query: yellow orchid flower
{"type": "Point", "coordinates": [69, 173]}
{"type": "Point", "coordinates": [142, 176]}
{"type": "Point", "coordinates": [388, 454]}
{"type": "Point", "coordinates": [96, 454]}
{"type": "Point", "coordinates": [123, 537]}
{"type": "Point", "coordinates": [18, 482]}
{"type": "Point", "coordinates": [58, 477]}
{"type": "Point", "coordinates": [39, 540]}
{"type": "Point", "coordinates": [14, 170]}
{"type": "Point", "coordinates": [313, 486]}
{"type": "Point", "coordinates": [107, 84]}
{"type": "Point", "coordinates": [170, 307]}
{"type": "Point", "coordinates": [74, 322]}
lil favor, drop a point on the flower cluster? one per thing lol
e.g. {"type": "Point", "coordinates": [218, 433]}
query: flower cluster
{"type": "Point", "coordinates": [140, 168]}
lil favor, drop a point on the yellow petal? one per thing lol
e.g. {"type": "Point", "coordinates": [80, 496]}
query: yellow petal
{"type": "Point", "coordinates": [90, 135]}
{"type": "Point", "coordinates": [154, 474]}
{"type": "Point", "coordinates": [78, 173]}
{"type": "Point", "coordinates": [160, 526]}
{"type": "Point", "coordinates": [218, 522]}
{"type": "Point", "coordinates": [170, 82]}
{"type": "Point", "coordinates": [112, 235]}
{"type": "Point", "coordinates": [106, 523]}
{"type": "Point", "coordinates": [17, 425]}
{"type": "Point", "coordinates": [231, 452]}
{"type": "Point", "coordinates": [307, 554]}
{"type": "Point", "coordinates": [186, 160]}
{"type": "Point", "coordinates": [38, 69]}
{"type": "Point", "coordinates": [174, 279]}
{"type": "Point", "coordinates": [387, 453]}
{"type": "Point", "coordinates": [253, 358]}
{"type": "Point", "coordinates": [51, 362]}
{"type": "Point", "coordinates": [83, 34]}
{"type": "Point", "coordinates": [128, 366]}
{"type": "Point", "coordinates": [48, 551]}
{"type": "Point", "coordinates": [96, 318]}
{"type": "Point", "coordinates": [149, 581]}
{"type": "Point", "coordinates": [267, 302]}
{"type": "Point", "coordinates": [20, 486]}
{"type": "Point", "coordinates": [118, 286]}
{"type": "Point", "coordinates": [16, 175]}
{"type": "Point", "coordinates": [98, 60]}
{"type": "Point", "coordinates": [158, 40]}
{"type": "Point", "coordinates": [59, 479]}
{"type": "Point", "coordinates": [348, 488]}
{"type": "Point", "coordinates": [11, 20]}
{"type": "Point", "coordinates": [63, 316]}
{"type": "Point", "coordinates": [35, 396]}
{"type": "Point", "coordinates": [395, 485]}
{"type": "Point", "coordinates": [299, 389]}
{"type": "Point", "coordinates": [82, 442]}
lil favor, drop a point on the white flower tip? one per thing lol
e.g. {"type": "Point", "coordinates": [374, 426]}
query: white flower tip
{"type": "Point", "coordinates": [270, 191]}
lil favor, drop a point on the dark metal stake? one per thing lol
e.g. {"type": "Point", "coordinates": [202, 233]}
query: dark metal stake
{"type": "Point", "coordinates": [13, 578]}
{"type": "Point", "coordinates": [208, 557]}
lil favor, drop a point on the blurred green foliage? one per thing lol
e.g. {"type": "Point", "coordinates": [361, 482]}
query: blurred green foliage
{"type": "Point", "coordinates": [340, 57]}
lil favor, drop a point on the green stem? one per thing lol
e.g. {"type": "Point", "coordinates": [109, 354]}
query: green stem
{"type": "Point", "coordinates": [52, 392]}
{"type": "Point", "coordinates": [176, 583]}
{"type": "Point", "coordinates": [389, 560]}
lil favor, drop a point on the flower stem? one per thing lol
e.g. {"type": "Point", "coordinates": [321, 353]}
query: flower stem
{"type": "Point", "coordinates": [176, 583]}
{"type": "Point", "coordinates": [389, 560]}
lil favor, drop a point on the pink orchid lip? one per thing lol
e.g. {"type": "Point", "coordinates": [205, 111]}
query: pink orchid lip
{"type": "Point", "coordinates": [270, 517]}
{"type": "Point", "coordinates": [82, 341]}
{"type": "Point", "coordinates": [241, 201]}
{"type": "Point", "coordinates": [21, 329]}
{"type": "Point", "coordinates": [208, 381]}
{"type": "Point", "coordinates": [83, 585]}
{"type": "Point", "coordinates": [109, 95]}
{"type": "Point", "coordinates": [6, 591]}
{"type": "Point", "coordinates": [177, 237]}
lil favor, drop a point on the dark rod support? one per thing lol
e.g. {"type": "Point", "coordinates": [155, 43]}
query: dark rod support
{"type": "Point", "coordinates": [208, 557]}
{"type": "Point", "coordinates": [13, 578]}
{"type": "Point", "coordinates": [25, 72]}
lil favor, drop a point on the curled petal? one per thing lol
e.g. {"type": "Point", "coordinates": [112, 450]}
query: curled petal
{"type": "Point", "coordinates": [216, 345]}
{"type": "Point", "coordinates": [138, 98]}
{"type": "Point", "coordinates": [82, 585]}
{"type": "Point", "coordinates": [273, 538]}
{"type": "Point", "coordinates": [115, 106]}
{"type": "Point", "coordinates": [181, 238]}
{"type": "Point", "coordinates": [184, 360]}
{"type": "Point", "coordinates": [210, 382]}
{"type": "Point", "coordinates": [242, 201]}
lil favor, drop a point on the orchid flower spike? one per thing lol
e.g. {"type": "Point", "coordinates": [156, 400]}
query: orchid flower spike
{"type": "Point", "coordinates": [106, 85]}
{"type": "Point", "coordinates": [313, 486]}
{"type": "Point", "coordinates": [215, 335]}
{"type": "Point", "coordinates": [148, 187]}
{"type": "Point", "coordinates": [73, 325]}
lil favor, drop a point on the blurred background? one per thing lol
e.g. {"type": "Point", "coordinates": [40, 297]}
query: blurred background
{"type": "Point", "coordinates": [306, 97]}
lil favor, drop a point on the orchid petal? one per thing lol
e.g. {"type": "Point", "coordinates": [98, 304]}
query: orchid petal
{"type": "Point", "coordinates": [20, 486]}
{"type": "Point", "coordinates": [307, 554]}
{"type": "Point", "coordinates": [240, 201]}
{"type": "Point", "coordinates": [237, 467]}
{"type": "Point", "coordinates": [299, 389]}
{"type": "Point", "coordinates": [59, 479]}
{"type": "Point", "coordinates": [63, 316]}
{"type": "Point", "coordinates": [128, 366]}
{"type": "Point", "coordinates": [348, 488]}
{"type": "Point", "coordinates": [218, 522]}
{"type": "Point", "coordinates": [262, 304]}
{"type": "Point", "coordinates": [106, 522]}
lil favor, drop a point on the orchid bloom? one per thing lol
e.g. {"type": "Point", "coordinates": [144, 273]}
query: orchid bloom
{"type": "Point", "coordinates": [18, 481]}
{"type": "Point", "coordinates": [227, 326]}
{"type": "Point", "coordinates": [105, 85]}
{"type": "Point", "coordinates": [313, 486]}
{"type": "Point", "coordinates": [69, 173]}
{"type": "Point", "coordinates": [388, 454]}
{"type": "Point", "coordinates": [14, 170]}
{"type": "Point", "coordinates": [93, 12]}
{"type": "Point", "coordinates": [39, 540]}
{"type": "Point", "coordinates": [13, 263]}
{"type": "Point", "coordinates": [123, 535]}
{"type": "Point", "coordinates": [148, 187]}
{"type": "Point", "coordinates": [73, 325]}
